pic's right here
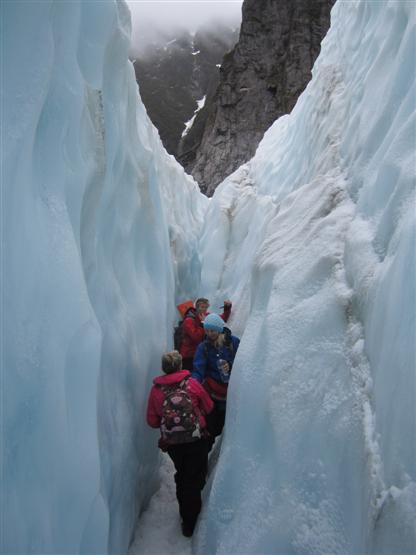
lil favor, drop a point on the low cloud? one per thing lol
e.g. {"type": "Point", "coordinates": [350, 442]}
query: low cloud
{"type": "Point", "coordinates": [153, 19]}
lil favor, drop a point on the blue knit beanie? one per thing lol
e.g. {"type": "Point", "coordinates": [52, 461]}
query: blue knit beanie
{"type": "Point", "coordinates": [214, 322]}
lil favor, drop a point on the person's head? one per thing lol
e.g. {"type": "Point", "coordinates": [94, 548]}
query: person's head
{"type": "Point", "coordinates": [212, 335]}
{"type": "Point", "coordinates": [171, 362]}
{"type": "Point", "coordinates": [201, 305]}
{"type": "Point", "coordinates": [213, 326]}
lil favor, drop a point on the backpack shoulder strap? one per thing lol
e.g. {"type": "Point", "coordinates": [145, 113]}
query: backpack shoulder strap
{"type": "Point", "coordinates": [168, 388]}
{"type": "Point", "coordinates": [173, 386]}
{"type": "Point", "coordinates": [184, 382]}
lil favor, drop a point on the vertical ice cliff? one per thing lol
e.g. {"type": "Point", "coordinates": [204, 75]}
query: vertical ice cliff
{"type": "Point", "coordinates": [315, 241]}
{"type": "Point", "coordinates": [94, 243]}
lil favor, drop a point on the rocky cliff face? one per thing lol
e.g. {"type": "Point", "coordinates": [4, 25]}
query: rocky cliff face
{"type": "Point", "coordinates": [260, 80]}
{"type": "Point", "coordinates": [176, 73]}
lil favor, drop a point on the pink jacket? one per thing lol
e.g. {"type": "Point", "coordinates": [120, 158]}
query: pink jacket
{"type": "Point", "coordinates": [201, 400]}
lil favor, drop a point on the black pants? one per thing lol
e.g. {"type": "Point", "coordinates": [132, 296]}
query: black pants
{"type": "Point", "coordinates": [191, 461]}
{"type": "Point", "coordinates": [215, 422]}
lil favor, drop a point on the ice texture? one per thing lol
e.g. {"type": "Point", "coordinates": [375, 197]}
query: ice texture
{"type": "Point", "coordinates": [314, 240]}
{"type": "Point", "coordinates": [95, 251]}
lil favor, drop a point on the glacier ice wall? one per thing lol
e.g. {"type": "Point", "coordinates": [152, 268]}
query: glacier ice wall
{"type": "Point", "coordinates": [95, 252]}
{"type": "Point", "coordinates": [314, 240]}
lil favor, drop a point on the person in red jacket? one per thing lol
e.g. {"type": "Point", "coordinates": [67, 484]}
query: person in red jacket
{"type": "Point", "coordinates": [193, 332]}
{"type": "Point", "coordinates": [178, 405]}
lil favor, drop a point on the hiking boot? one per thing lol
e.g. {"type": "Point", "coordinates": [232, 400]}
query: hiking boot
{"type": "Point", "coordinates": [187, 530]}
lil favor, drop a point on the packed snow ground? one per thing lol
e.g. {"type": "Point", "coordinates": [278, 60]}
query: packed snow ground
{"type": "Point", "coordinates": [158, 530]}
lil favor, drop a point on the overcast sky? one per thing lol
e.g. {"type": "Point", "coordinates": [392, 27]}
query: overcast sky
{"type": "Point", "coordinates": [150, 17]}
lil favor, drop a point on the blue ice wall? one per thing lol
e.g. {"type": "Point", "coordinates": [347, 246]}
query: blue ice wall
{"type": "Point", "coordinates": [92, 255]}
{"type": "Point", "coordinates": [315, 242]}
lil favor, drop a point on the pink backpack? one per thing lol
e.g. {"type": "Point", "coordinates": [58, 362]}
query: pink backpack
{"type": "Point", "coordinates": [179, 422]}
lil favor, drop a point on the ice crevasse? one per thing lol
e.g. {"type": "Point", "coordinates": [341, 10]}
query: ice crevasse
{"type": "Point", "coordinates": [314, 240]}
{"type": "Point", "coordinates": [95, 255]}
{"type": "Point", "coordinates": [317, 243]}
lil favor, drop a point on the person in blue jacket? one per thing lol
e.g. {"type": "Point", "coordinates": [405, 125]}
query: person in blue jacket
{"type": "Point", "coordinates": [212, 366]}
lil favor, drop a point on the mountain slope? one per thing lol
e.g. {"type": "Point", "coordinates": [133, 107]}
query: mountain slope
{"type": "Point", "coordinates": [176, 72]}
{"type": "Point", "coordinates": [260, 80]}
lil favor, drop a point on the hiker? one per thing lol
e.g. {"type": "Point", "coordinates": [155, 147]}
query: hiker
{"type": "Point", "coordinates": [193, 331]}
{"type": "Point", "coordinates": [213, 363]}
{"type": "Point", "coordinates": [182, 432]}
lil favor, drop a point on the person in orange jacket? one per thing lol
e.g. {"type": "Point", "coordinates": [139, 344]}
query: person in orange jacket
{"type": "Point", "coordinates": [193, 332]}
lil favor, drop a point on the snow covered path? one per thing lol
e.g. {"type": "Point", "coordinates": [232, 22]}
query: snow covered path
{"type": "Point", "coordinates": [158, 531]}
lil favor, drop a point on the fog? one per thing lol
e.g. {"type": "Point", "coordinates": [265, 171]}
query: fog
{"type": "Point", "coordinates": [157, 20]}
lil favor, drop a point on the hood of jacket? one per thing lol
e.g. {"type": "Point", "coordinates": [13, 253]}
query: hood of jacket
{"type": "Point", "coordinates": [169, 379]}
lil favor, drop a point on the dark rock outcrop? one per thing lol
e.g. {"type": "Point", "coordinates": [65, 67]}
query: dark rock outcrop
{"type": "Point", "coordinates": [260, 80]}
{"type": "Point", "coordinates": [176, 72]}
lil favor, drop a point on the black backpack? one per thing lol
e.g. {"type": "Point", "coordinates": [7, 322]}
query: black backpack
{"type": "Point", "coordinates": [178, 331]}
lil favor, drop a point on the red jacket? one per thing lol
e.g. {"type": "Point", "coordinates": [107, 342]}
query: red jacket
{"type": "Point", "coordinates": [199, 397]}
{"type": "Point", "coordinates": [194, 333]}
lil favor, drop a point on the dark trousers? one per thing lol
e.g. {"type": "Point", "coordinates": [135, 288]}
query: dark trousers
{"type": "Point", "coordinates": [215, 422]}
{"type": "Point", "coordinates": [191, 462]}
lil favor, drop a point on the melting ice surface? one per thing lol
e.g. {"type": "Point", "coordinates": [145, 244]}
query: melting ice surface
{"type": "Point", "coordinates": [95, 238]}
{"type": "Point", "coordinates": [314, 241]}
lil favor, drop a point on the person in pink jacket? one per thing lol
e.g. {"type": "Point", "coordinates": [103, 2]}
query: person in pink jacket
{"type": "Point", "coordinates": [178, 405]}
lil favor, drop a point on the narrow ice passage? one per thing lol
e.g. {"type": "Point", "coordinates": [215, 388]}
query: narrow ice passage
{"type": "Point", "coordinates": [314, 242]}
{"type": "Point", "coordinates": [158, 529]}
